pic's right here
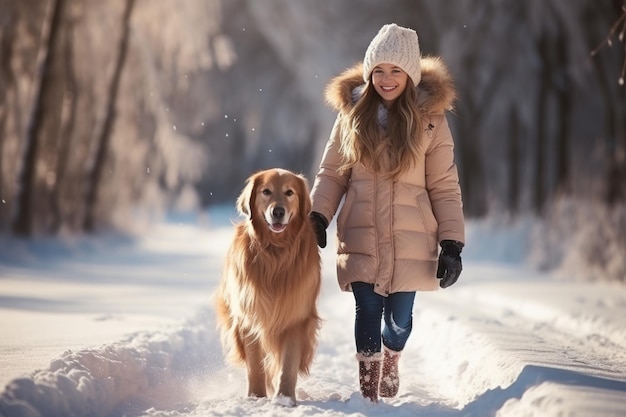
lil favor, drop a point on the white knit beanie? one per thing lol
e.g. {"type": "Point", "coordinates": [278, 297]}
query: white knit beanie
{"type": "Point", "coordinates": [394, 45]}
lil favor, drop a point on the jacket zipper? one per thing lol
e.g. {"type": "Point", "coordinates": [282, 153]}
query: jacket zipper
{"type": "Point", "coordinates": [391, 237]}
{"type": "Point", "coordinates": [376, 240]}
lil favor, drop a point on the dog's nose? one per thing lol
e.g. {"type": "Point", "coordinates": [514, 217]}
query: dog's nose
{"type": "Point", "coordinates": [278, 212]}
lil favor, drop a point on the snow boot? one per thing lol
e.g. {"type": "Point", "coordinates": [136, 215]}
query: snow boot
{"type": "Point", "coordinates": [369, 375]}
{"type": "Point", "coordinates": [390, 379]}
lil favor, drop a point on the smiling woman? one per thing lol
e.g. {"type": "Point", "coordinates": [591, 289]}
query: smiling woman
{"type": "Point", "coordinates": [389, 81]}
{"type": "Point", "coordinates": [390, 154]}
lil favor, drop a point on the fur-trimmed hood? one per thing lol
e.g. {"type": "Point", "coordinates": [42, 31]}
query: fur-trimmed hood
{"type": "Point", "coordinates": [436, 92]}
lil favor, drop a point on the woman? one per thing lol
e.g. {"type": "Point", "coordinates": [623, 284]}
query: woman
{"type": "Point", "coordinates": [390, 154]}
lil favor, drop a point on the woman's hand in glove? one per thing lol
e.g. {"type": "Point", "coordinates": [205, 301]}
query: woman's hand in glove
{"type": "Point", "coordinates": [450, 265]}
{"type": "Point", "coordinates": [320, 224]}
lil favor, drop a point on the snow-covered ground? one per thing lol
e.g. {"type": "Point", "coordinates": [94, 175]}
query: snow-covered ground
{"type": "Point", "coordinates": [124, 327]}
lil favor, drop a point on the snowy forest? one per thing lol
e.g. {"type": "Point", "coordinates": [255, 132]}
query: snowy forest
{"type": "Point", "coordinates": [113, 113]}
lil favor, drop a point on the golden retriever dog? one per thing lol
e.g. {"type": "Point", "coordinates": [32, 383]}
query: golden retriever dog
{"type": "Point", "coordinates": [266, 302]}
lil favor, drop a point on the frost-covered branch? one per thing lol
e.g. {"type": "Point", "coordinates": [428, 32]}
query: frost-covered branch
{"type": "Point", "coordinates": [619, 25]}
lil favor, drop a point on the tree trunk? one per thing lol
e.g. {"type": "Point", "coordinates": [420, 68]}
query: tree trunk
{"type": "Point", "coordinates": [542, 127]}
{"type": "Point", "coordinates": [22, 224]}
{"type": "Point", "coordinates": [66, 129]}
{"type": "Point", "coordinates": [471, 172]}
{"type": "Point", "coordinates": [564, 102]}
{"type": "Point", "coordinates": [102, 134]}
{"type": "Point", "coordinates": [7, 37]}
{"type": "Point", "coordinates": [514, 158]}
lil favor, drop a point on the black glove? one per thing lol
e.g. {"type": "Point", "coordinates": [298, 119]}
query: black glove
{"type": "Point", "coordinates": [320, 224]}
{"type": "Point", "coordinates": [450, 265]}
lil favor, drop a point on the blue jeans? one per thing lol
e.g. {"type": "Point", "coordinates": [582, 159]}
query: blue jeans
{"type": "Point", "coordinates": [398, 319]}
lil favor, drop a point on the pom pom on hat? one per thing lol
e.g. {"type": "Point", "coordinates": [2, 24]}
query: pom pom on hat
{"type": "Point", "coordinates": [394, 45]}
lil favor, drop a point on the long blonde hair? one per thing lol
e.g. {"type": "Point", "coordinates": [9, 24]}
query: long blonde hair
{"type": "Point", "coordinates": [392, 150]}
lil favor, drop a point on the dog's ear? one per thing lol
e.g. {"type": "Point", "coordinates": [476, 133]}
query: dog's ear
{"type": "Point", "coordinates": [245, 201]}
{"type": "Point", "coordinates": [305, 199]}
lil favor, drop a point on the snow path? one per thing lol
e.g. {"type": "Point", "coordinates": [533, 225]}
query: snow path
{"type": "Point", "coordinates": [504, 341]}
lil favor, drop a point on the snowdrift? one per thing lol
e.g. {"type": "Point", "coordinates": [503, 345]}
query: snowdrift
{"type": "Point", "coordinates": [147, 367]}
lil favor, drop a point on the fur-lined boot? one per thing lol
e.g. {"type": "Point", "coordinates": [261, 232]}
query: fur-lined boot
{"type": "Point", "coordinates": [369, 375]}
{"type": "Point", "coordinates": [390, 380]}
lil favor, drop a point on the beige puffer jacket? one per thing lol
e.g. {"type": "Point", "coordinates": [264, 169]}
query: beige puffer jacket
{"type": "Point", "coordinates": [388, 230]}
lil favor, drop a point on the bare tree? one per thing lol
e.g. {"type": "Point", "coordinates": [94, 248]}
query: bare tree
{"type": "Point", "coordinates": [66, 127]}
{"type": "Point", "coordinates": [564, 90]}
{"type": "Point", "coordinates": [7, 35]}
{"type": "Point", "coordinates": [514, 157]}
{"type": "Point", "coordinates": [616, 171]}
{"type": "Point", "coordinates": [102, 133]}
{"type": "Point", "coordinates": [22, 224]}
{"type": "Point", "coordinates": [539, 192]}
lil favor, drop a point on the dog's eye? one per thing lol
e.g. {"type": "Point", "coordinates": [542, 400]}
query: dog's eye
{"type": "Point", "coordinates": [267, 191]}
{"type": "Point", "coordinates": [289, 193]}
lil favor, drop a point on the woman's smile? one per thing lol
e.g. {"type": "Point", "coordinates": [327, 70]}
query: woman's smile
{"type": "Point", "coordinates": [389, 81]}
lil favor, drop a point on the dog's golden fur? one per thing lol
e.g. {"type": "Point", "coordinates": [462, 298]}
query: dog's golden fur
{"type": "Point", "coordinates": [266, 302]}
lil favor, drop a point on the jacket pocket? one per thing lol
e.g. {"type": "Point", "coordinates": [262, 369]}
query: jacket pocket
{"type": "Point", "coordinates": [344, 214]}
{"type": "Point", "coordinates": [428, 219]}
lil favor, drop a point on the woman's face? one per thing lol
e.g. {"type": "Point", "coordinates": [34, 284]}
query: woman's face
{"type": "Point", "coordinates": [389, 82]}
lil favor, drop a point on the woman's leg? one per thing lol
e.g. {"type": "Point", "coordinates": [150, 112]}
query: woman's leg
{"type": "Point", "coordinates": [368, 316]}
{"type": "Point", "coordinates": [398, 319]}
{"type": "Point", "coordinates": [398, 325]}
{"type": "Point", "coordinates": [367, 336]}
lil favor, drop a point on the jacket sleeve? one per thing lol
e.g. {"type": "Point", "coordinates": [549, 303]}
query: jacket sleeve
{"type": "Point", "coordinates": [442, 182]}
{"type": "Point", "coordinates": [330, 185]}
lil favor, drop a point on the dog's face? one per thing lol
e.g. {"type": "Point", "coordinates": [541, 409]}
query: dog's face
{"type": "Point", "coordinates": [276, 198]}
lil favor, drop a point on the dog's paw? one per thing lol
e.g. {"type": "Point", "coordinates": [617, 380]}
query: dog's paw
{"type": "Point", "coordinates": [284, 401]}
